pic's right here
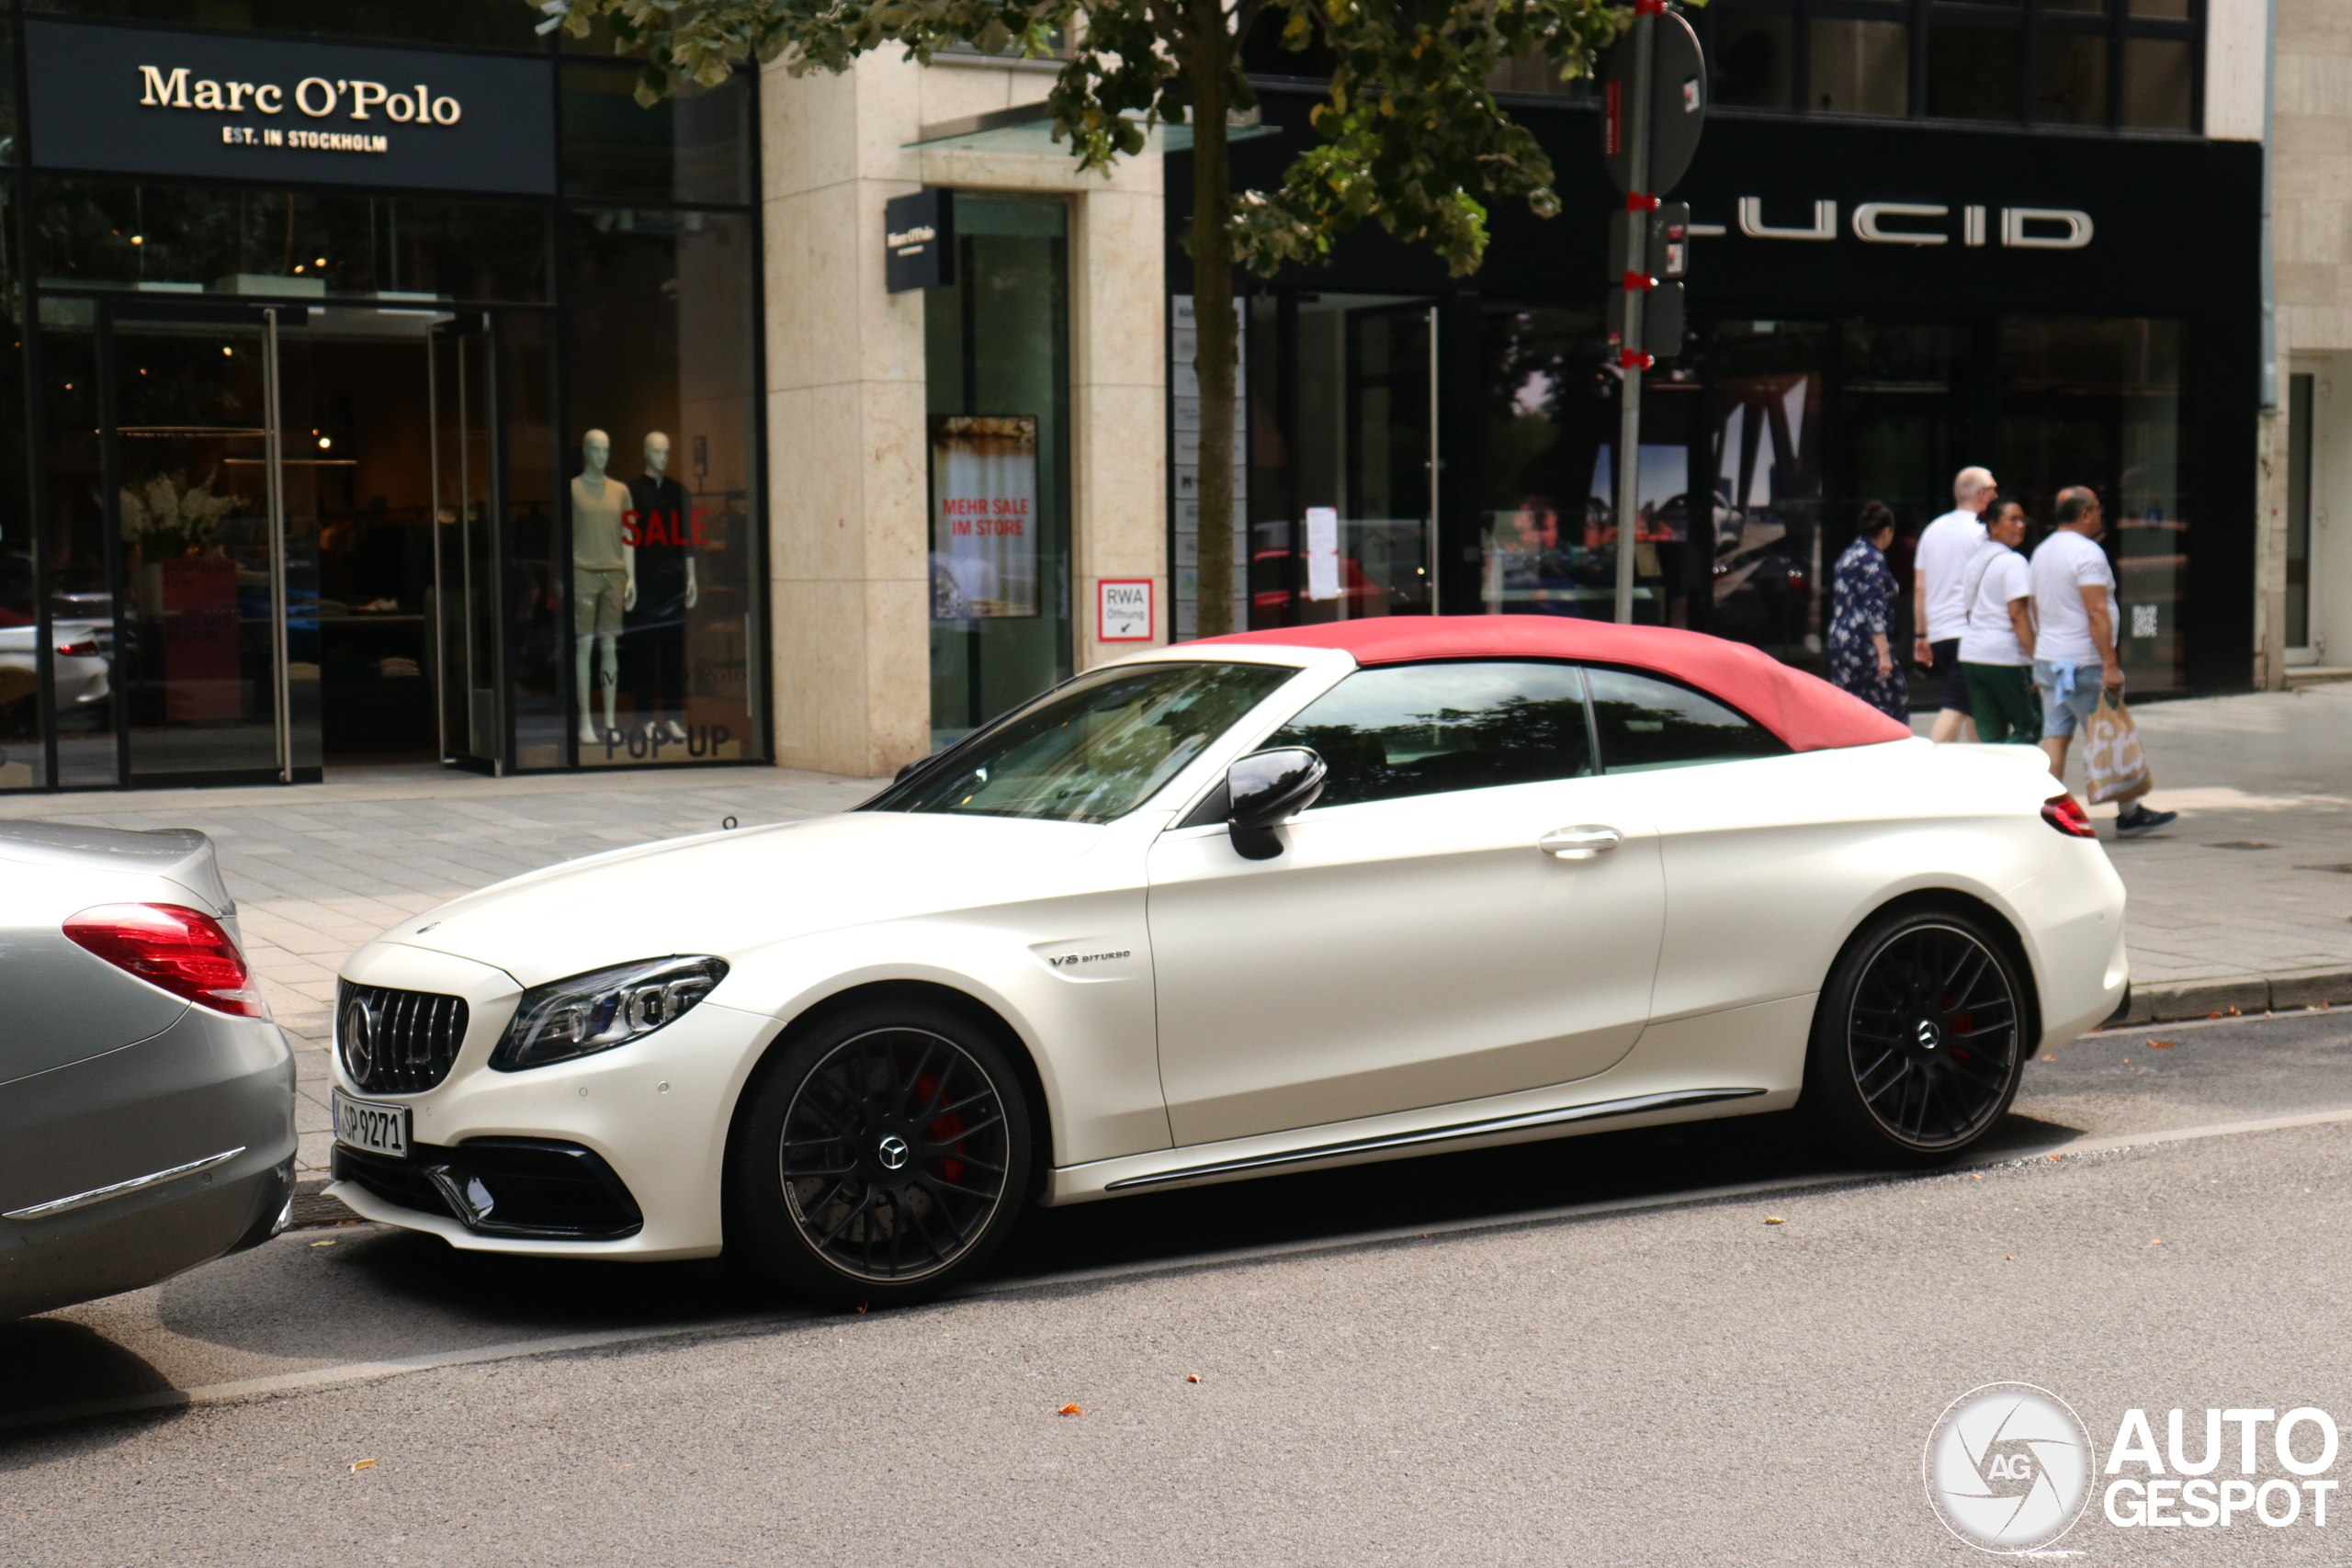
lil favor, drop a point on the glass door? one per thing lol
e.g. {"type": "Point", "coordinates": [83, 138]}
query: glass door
{"type": "Point", "coordinates": [217, 683]}
{"type": "Point", "coordinates": [1363, 469]}
{"type": "Point", "coordinates": [465, 558]}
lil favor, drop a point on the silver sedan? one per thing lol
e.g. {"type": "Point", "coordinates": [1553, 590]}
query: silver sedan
{"type": "Point", "coordinates": [146, 1097]}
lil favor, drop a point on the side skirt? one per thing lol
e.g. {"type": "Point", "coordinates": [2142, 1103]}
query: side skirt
{"type": "Point", "coordinates": [1459, 1132]}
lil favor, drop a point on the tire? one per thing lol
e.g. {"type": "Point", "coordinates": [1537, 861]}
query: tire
{"type": "Point", "coordinates": [817, 1202]}
{"type": "Point", "coordinates": [1918, 1041]}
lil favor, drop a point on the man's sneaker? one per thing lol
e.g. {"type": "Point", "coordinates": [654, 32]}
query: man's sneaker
{"type": "Point", "coordinates": [2139, 821]}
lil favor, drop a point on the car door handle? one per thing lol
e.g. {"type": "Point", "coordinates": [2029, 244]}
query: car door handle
{"type": "Point", "coordinates": [1580, 842]}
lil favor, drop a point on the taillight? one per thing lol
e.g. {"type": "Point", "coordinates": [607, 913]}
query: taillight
{"type": "Point", "coordinates": [182, 950]}
{"type": "Point", "coordinates": [85, 649]}
{"type": "Point", "coordinates": [2065, 813]}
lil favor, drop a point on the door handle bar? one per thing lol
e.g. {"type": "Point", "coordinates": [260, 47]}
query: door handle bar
{"type": "Point", "coordinates": [1580, 842]}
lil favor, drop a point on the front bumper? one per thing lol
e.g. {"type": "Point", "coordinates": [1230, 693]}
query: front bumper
{"type": "Point", "coordinates": [653, 1114]}
{"type": "Point", "coordinates": [519, 1189]}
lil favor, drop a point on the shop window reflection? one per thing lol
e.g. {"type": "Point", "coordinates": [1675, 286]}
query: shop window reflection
{"type": "Point", "coordinates": [1537, 76]}
{"type": "Point", "coordinates": [1976, 73]}
{"type": "Point", "coordinates": [82, 666]}
{"type": "Point", "coordinates": [1342, 420]}
{"type": "Point", "coordinates": [2072, 89]}
{"type": "Point", "coordinates": [289, 245]}
{"type": "Point", "coordinates": [692, 146]}
{"type": "Point", "coordinates": [659, 647]}
{"type": "Point", "coordinates": [1765, 447]}
{"type": "Point", "coordinates": [532, 589]}
{"type": "Point", "coordinates": [2159, 82]}
{"type": "Point", "coordinates": [1548, 517]}
{"type": "Point", "coordinates": [1860, 67]}
{"type": "Point", "coordinates": [1754, 59]}
{"type": "Point", "coordinates": [2100, 402]}
{"type": "Point", "coordinates": [80, 552]}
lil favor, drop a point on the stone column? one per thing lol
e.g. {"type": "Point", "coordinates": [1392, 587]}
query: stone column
{"type": "Point", "coordinates": [847, 447]}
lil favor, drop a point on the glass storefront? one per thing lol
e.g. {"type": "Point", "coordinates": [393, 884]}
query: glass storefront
{"type": "Point", "coordinates": [1758, 453]}
{"type": "Point", "coordinates": [2103, 403]}
{"type": "Point", "coordinates": [996, 348]}
{"type": "Point", "coordinates": [305, 482]}
{"type": "Point", "coordinates": [1339, 491]}
{"type": "Point", "coordinates": [660, 377]}
{"type": "Point", "coordinates": [1547, 476]}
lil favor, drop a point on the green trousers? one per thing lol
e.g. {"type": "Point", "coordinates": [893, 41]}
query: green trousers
{"type": "Point", "coordinates": [2001, 698]}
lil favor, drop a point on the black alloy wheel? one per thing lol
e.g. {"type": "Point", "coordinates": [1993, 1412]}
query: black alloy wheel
{"type": "Point", "coordinates": [885, 1156]}
{"type": "Point", "coordinates": [1918, 1041]}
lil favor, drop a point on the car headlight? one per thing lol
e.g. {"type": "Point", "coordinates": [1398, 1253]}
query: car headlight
{"type": "Point", "coordinates": [601, 1009]}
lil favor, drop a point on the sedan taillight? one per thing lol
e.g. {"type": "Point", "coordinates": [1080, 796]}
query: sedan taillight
{"type": "Point", "coordinates": [184, 951]}
{"type": "Point", "coordinates": [2065, 813]}
{"type": "Point", "coordinates": [85, 649]}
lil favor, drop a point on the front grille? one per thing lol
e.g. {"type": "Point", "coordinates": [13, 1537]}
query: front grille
{"type": "Point", "coordinates": [530, 1187]}
{"type": "Point", "coordinates": [397, 1042]}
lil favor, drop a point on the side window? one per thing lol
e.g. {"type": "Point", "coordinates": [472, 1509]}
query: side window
{"type": "Point", "coordinates": [1646, 723]}
{"type": "Point", "coordinates": [1424, 729]}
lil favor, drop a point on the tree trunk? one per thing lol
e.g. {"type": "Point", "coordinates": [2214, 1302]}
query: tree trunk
{"type": "Point", "coordinates": [1216, 327]}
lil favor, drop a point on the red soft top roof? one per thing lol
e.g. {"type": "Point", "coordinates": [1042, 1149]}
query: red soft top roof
{"type": "Point", "coordinates": [1808, 712]}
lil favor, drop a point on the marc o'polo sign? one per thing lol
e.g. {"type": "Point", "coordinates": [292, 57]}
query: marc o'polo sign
{"type": "Point", "coordinates": [918, 240]}
{"type": "Point", "coordinates": [132, 101]}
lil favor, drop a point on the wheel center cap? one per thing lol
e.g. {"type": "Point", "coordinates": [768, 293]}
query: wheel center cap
{"type": "Point", "coordinates": [1929, 1035]}
{"type": "Point", "coordinates": [892, 1151]}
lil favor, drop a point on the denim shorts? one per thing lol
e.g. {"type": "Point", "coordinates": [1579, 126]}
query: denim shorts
{"type": "Point", "coordinates": [2061, 718]}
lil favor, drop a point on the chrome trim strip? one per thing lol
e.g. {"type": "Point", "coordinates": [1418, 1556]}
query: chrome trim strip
{"type": "Point", "coordinates": [1595, 1112]}
{"type": "Point", "coordinates": [100, 1194]}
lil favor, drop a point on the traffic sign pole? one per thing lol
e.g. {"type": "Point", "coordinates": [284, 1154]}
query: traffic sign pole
{"type": "Point", "coordinates": [1635, 121]}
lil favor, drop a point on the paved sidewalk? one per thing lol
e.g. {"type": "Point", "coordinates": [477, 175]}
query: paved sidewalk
{"type": "Point", "coordinates": [2245, 903]}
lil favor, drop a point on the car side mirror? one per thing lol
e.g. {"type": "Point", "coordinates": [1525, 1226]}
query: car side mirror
{"type": "Point", "coordinates": [1267, 788]}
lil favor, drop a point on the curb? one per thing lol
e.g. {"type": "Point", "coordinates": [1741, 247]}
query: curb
{"type": "Point", "coordinates": [2205, 999]}
{"type": "Point", "coordinates": [314, 1208]}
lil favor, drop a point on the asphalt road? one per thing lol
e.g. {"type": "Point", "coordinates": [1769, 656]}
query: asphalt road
{"type": "Point", "coordinates": [1600, 1352]}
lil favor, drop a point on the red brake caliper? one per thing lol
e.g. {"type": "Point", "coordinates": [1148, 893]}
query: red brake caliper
{"type": "Point", "coordinates": [944, 1129]}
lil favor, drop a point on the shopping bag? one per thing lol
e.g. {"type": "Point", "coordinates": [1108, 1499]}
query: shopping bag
{"type": "Point", "coordinates": [2111, 754]}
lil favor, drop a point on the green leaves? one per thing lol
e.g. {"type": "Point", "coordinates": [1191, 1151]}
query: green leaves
{"type": "Point", "coordinates": [1411, 137]}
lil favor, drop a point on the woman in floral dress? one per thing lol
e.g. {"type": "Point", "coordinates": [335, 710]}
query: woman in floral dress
{"type": "Point", "coordinates": [1862, 606]}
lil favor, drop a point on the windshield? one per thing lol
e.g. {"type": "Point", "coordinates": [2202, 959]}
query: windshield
{"type": "Point", "coordinates": [1094, 750]}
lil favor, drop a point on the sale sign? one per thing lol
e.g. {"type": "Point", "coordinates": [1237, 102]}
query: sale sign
{"type": "Point", "coordinates": [984, 516]}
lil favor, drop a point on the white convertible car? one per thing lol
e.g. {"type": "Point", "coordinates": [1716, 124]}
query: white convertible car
{"type": "Point", "coordinates": [1257, 904]}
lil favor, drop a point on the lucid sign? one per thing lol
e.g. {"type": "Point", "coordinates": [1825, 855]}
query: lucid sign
{"type": "Point", "coordinates": [1923, 223]}
{"type": "Point", "coordinates": [127, 100]}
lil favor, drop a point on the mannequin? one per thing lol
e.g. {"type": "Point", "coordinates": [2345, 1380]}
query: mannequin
{"type": "Point", "coordinates": [661, 533]}
{"type": "Point", "coordinates": [603, 579]}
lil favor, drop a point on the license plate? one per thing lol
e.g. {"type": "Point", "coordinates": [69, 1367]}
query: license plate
{"type": "Point", "coordinates": [363, 1124]}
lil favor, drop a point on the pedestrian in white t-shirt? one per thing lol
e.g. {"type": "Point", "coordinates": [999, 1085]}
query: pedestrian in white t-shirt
{"type": "Point", "coordinates": [1938, 611]}
{"type": "Point", "coordinates": [1996, 645]}
{"type": "Point", "coordinates": [2075, 657]}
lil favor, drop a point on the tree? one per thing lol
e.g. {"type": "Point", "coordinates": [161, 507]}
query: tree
{"type": "Point", "coordinates": [1411, 135]}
